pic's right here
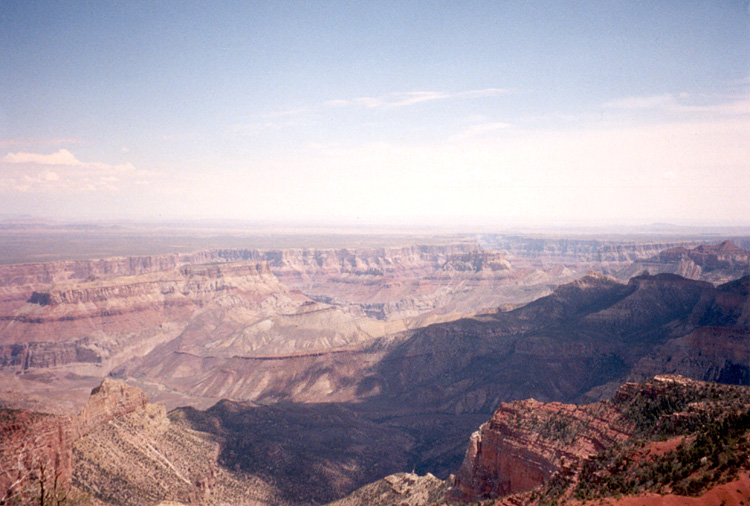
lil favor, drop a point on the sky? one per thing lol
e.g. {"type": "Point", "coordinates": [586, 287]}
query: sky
{"type": "Point", "coordinates": [459, 113]}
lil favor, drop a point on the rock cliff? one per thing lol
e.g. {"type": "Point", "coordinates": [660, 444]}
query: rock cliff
{"type": "Point", "coordinates": [615, 250]}
{"type": "Point", "coordinates": [142, 457]}
{"type": "Point", "coordinates": [36, 450]}
{"type": "Point", "coordinates": [717, 263]}
{"type": "Point", "coordinates": [225, 313]}
{"type": "Point", "coordinates": [526, 442]}
{"type": "Point", "coordinates": [112, 398]}
{"type": "Point", "coordinates": [667, 435]}
{"type": "Point", "coordinates": [577, 344]}
{"type": "Point", "coordinates": [86, 328]}
{"type": "Point", "coordinates": [402, 489]}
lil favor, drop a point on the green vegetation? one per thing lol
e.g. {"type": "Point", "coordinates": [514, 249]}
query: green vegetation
{"type": "Point", "coordinates": [552, 426]}
{"type": "Point", "coordinates": [687, 437]}
{"type": "Point", "coordinates": [712, 455]}
{"type": "Point", "coordinates": [559, 428]}
{"type": "Point", "coordinates": [678, 409]}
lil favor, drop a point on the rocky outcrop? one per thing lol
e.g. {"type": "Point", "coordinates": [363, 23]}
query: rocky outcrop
{"type": "Point", "coordinates": [220, 311]}
{"type": "Point", "coordinates": [364, 261]}
{"type": "Point", "coordinates": [707, 256]}
{"type": "Point", "coordinates": [618, 256]}
{"type": "Point", "coordinates": [611, 448]}
{"type": "Point", "coordinates": [112, 398]}
{"type": "Point", "coordinates": [119, 450]}
{"type": "Point", "coordinates": [397, 283]}
{"type": "Point", "coordinates": [92, 322]}
{"type": "Point", "coordinates": [569, 346]}
{"type": "Point", "coordinates": [717, 263]}
{"type": "Point", "coordinates": [403, 489]}
{"type": "Point", "coordinates": [527, 442]}
{"type": "Point", "coordinates": [37, 449]}
{"type": "Point", "coordinates": [144, 458]}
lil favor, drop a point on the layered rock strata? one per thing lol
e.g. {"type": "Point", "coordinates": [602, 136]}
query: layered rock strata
{"type": "Point", "coordinates": [526, 442]}
{"type": "Point", "coordinates": [667, 435]}
{"type": "Point", "coordinates": [36, 450]}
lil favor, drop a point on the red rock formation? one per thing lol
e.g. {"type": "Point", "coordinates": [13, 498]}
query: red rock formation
{"type": "Point", "coordinates": [77, 321]}
{"type": "Point", "coordinates": [526, 442]}
{"type": "Point", "coordinates": [37, 447]}
{"type": "Point", "coordinates": [110, 399]}
{"type": "Point", "coordinates": [33, 448]}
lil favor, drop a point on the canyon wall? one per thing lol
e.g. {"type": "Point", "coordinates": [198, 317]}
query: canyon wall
{"type": "Point", "coordinates": [669, 435]}
{"type": "Point", "coordinates": [36, 450]}
{"type": "Point", "coordinates": [526, 442]}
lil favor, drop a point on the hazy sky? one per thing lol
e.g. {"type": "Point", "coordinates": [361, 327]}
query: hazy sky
{"type": "Point", "coordinates": [404, 112]}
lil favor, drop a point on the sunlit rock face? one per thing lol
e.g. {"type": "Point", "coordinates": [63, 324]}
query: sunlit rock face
{"type": "Point", "coordinates": [559, 451]}
{"type": "Point", "coordinates": [37, 448]}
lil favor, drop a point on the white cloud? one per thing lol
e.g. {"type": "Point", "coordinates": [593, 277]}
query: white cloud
{"type": "Point", "coordinates": [294, 117]}
{"type": "Point", "coordinates": [62, 157]}
{"type": "Point", "coordinates": [393, 100]}
{"type": "Point", "coordinates": [405, 99]}
{"type": "Point", "coordinates": [26, 171]}
{"type": "Point", "coordinates": [641, 102]}
{"type": "Point", "coordinates": [684, 103]}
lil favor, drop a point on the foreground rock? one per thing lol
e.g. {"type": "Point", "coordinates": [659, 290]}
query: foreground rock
{"type": "Point", "coordinates": [36, 450]}
{"type": "Point", "coordinates": [402, 489]}
{"type": "Point", "coordinates": [670, 435]}
{"type": "Point", "coordinates": [143, 458]}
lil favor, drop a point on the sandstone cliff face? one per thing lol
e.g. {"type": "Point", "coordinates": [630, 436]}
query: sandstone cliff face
{"type": "Point", "coordinates": [717, 263]}
{"type": "Point", "coordinates": [666, 435]}
{"type": "Point", "coordinates": [36, 448]}
{"type": "Point", "coordinates": [119, 450]}
{"type": "Point", "coordinates": [694, 259]}
{"type": "Point", "coordinates": [396, 283]}
{"type": "Point", "coordinates": [526, 442]}
{"type": "Point", "coordinates": [293, 263]}
{"type": "Point", "coordinates": [576, 250]}
{"type": "Point", "coordinates": [709, 257]}
{"type": "Point", "coordinates": [219, 312]}
{"type": "Point", "coordinates": [91, 322]}
{"type": "Point", "coordinates": [112, 398]}
{"type": "Point", "coordinates": [33, 448]}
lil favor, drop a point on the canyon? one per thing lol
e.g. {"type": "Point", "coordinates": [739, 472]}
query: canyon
{"type": "Point", "coordinates": [306, 374]}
